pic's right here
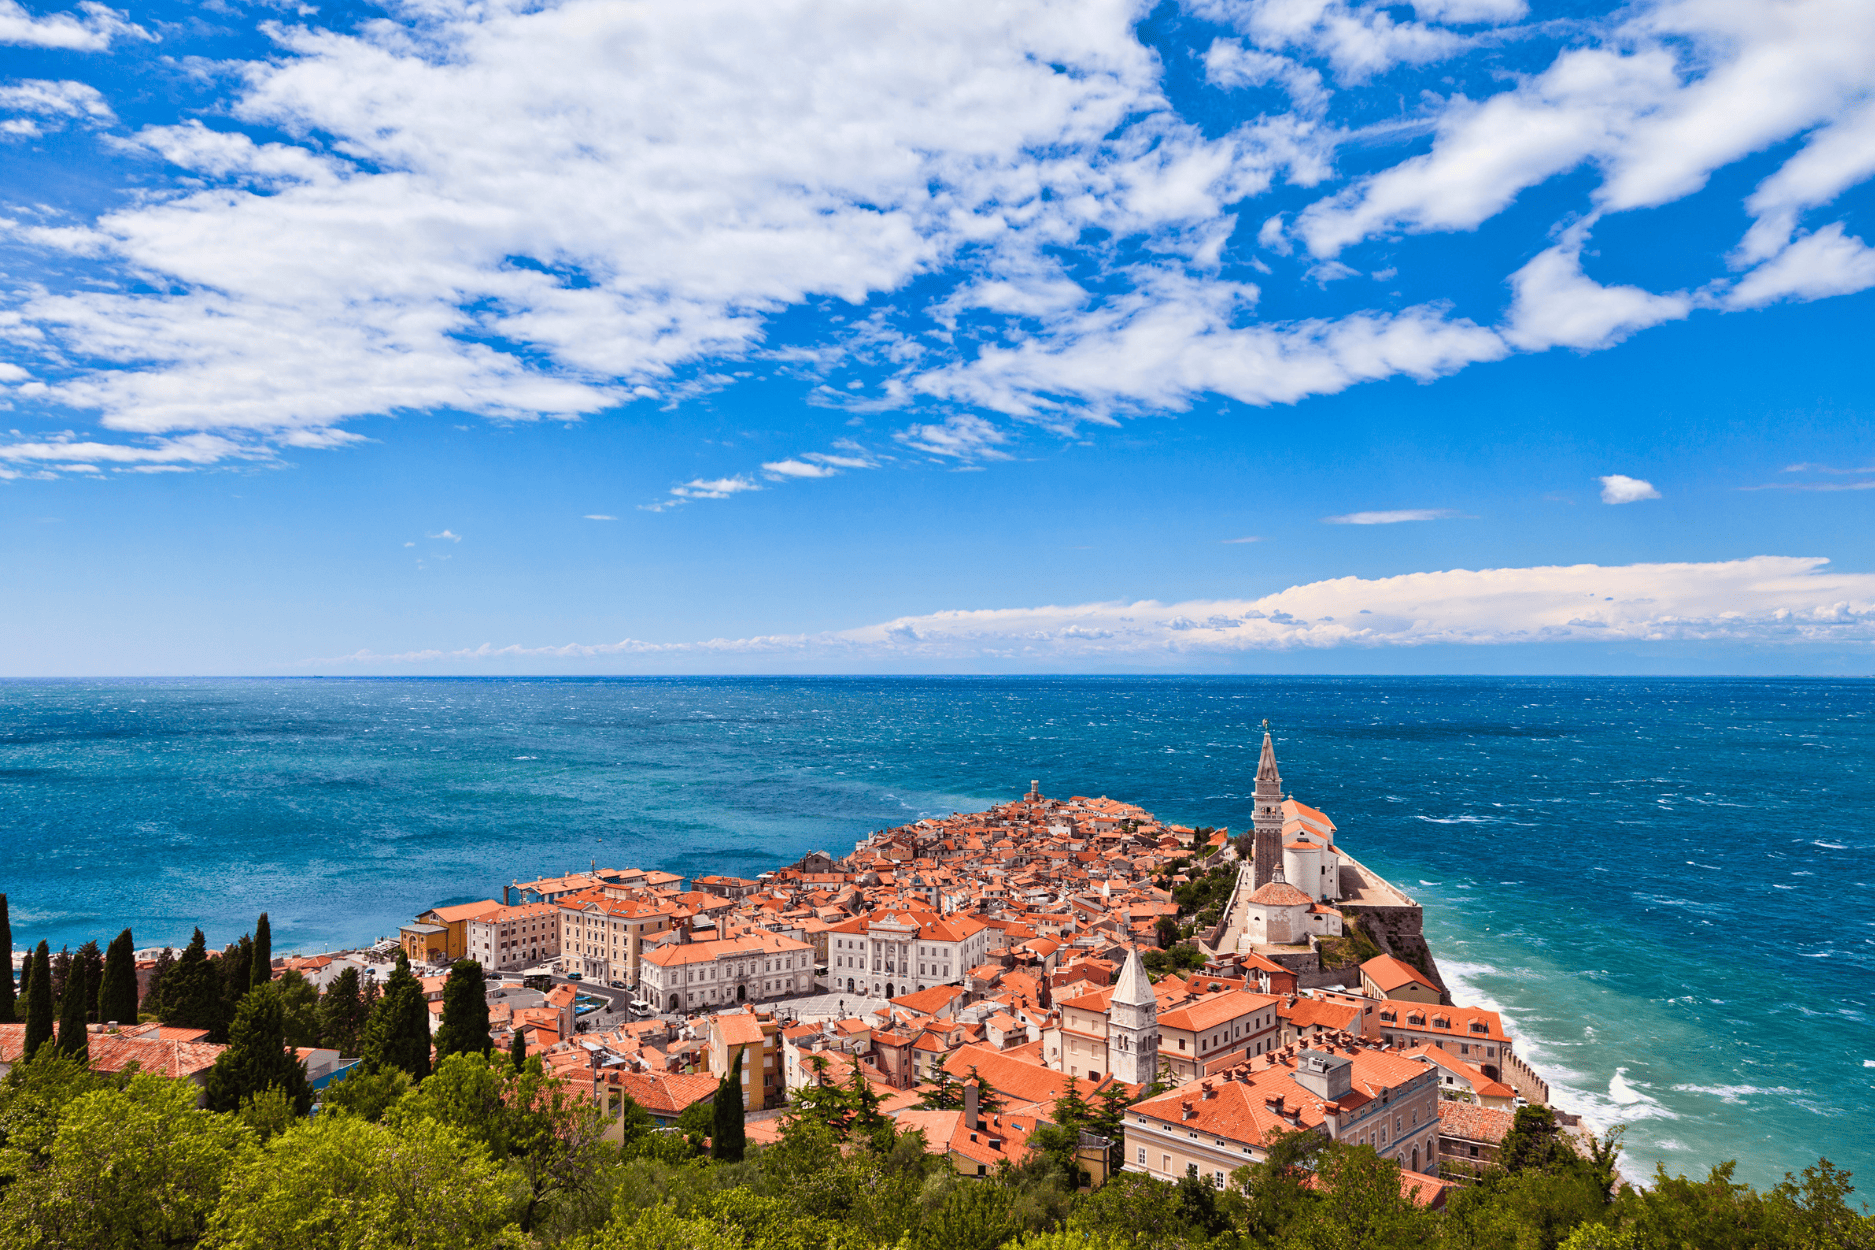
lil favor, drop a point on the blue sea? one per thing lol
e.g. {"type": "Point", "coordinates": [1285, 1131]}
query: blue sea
{"type": "Point", "coordinates": [1664, 885]}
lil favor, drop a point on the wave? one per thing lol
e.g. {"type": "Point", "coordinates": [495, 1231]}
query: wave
{"type": "Point", "coordinates": [1458, 820]}
{"type": "Point", "coordinates": [1737, 1093]}
{"type": "Point", "coordinates": [1833, 846]}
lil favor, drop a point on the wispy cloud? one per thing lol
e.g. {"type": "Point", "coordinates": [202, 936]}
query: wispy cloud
{"type": "Point", "coordinates": [447, 536]}
{"type": "Point", "coordinates": [1764, 599]}
{"type": "Point", "coordinates": [1619, 488]}
{"type": "Point", "coordinates": [1824, 468]}
{"type": "Point", "coordinates": [598, 516]}
{"type": "Point", "coordinates": [1865, 485]}
{"type": "Point", "coordinates": [1390, 518]}
{"type": "Point", "coordinates": [1249, 539]}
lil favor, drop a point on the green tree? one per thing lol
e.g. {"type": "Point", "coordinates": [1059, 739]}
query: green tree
{"type": "Point", "coordinates": [367, 1095]}
{"type": "Point", "coordinates": [192, 991]}
{"type": "Point", "coordinates": [695, 1124]}
{"type": "Point", "coordinates": [74, 1038]}
{"type": "Point", "coordinates": [397, 1033]}
{"type": "Point", "coordinates": [551, 1138]}
{"type": "Point", "coordinates": [1165, 929]}
{"type": "Point", "coordinates": [728, 1138]}
{"type": "Point", "coordinates": [944, 1095]}
{"type": "Point", "coordinates": [1360, 1204]}
{"type": "Point", "coordinates": [1134, 1210]}
{"type": "Point", "coordinates": [92, 960]}
{"type": "Point", "coordinates": [973, 1217]}
{"type": "Point", "coordinates": [464, 1030]}
{"type": "Point", "coordinates": [117, 992]}
{"type": "Point", "coordinates": [342, 1014]}
{"type": "Point", "coordinates": [517, 1049]}
{"type": "Point", "coordinates": [299, 1006]}
{"type": "Point", "coordinates": [257, 1059]}
{"type": "Point", "coordinates": [235, 970]}
{"type": "Point", "coordinates": [6, 947]}
{"type": "Point", "coordinates": [864, 1101]}
{"type": "Point", "coordinates": [261, 968]}
{"type": "Point", "coordinates": [131, 1167]}
{"type": "Point", "coordinates": [39, 1002]}
{"type": "Point", "coordinates": [159, 975]}
{"type": "Point", "coordinates": [1071, 1110]}
{"type": "Point", "coordinates": [344, 1183]}
{"type": "Point", "coordinates": [1534, 1142]}
{"type": "Point", "coordinates": [1814, 1210]}
{"type": "Point", "coordinates": [34, 1096]}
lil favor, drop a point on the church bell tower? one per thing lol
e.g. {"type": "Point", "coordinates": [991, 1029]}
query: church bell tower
{"type": "Point", "coordinates": [1267, 818]}
{"type": "Point", "coordinates": [1133, 1025]}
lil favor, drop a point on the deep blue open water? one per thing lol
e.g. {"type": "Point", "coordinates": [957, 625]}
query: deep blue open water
{"type": "Point", "coordinates": [1664, 885]}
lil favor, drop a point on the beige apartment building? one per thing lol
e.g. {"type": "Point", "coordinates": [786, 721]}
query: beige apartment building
{"type": "Point", "coordinates": [749, 968]}
{"type": "Point", "coordinates": [603, 938]}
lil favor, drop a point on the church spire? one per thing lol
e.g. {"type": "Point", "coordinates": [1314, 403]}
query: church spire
{"type": "Point", "coordinates": [1133, 988]}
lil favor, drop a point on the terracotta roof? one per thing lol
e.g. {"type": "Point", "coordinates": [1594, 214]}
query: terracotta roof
{"type": "Point", "coordinates": [1215, 1009]}
{"type": "Point", "coordinates": [737, 1028]}
{"type": "Point", "coordinates": [1280, 894]}
{"type": "Point", "coordinates": [1390, 973]}
{"type": "Point", "coordinates": [1472, 1122]}
{"type": "Point", "coordinates": [664, 1094]}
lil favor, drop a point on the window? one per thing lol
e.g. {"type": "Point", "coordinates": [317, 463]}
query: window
{"type": "Point", "coordinates": [1142, 1155]}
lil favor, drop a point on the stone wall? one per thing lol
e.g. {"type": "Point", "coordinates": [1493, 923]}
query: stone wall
{"type": "Point", "coordinates": [1397, 931]}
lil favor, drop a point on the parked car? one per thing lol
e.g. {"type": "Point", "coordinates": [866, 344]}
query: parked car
{"type": "Point", "coordinates": [575, 976]}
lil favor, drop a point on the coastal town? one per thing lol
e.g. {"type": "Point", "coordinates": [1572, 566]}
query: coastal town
{"type": "Point", "coordinates": [1224, 989]}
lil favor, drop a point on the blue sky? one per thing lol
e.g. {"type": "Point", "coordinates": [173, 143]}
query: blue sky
{"type": "Point", "coordinates": [1238, 335]}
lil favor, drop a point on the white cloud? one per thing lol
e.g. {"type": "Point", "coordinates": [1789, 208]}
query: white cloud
{"type": "Point", "coordinates": [40, 104]}
{"type": "Point", "coordinates": [524, 210]}
{"type": "Point", "coordinates": [1358, 40]}
{"type": "Point", "coordinates": [1250, 539]}
{"type": "Point", "coordinates": [1816, 266]}
{"type": "Point", "coordinates": [447, 536]}
{"type": "Point", "coordinates": [798, 468]}
{"type": "Point", "coordinates": [92, 32]}
{"type": "Point", "coordinates": [598, 516]}
{"type": "Point", "coordinates": [1619, 488]}
{"type": "Point", "coordinates": [1390, 518]}
{"type": "Point", "coordinates": [1556, 304]}
{"type": "Point", "coordinates": [959, 437]}
{"type": "Point", "coordinates": [1229, 63]}
{"type": "Point", "coordinates": [1764, 599]}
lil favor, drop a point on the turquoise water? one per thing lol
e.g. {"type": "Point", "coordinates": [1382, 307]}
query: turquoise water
{"type": "Point", "coordinates": [1665, 885]}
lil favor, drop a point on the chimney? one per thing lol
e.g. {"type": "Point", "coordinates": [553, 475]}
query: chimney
{"type": "Point", "coordinates": [1186, 1110]}
{"type": "Point", "coordinates": [1275, 1104]}
{"type": "Point", "coordinates": [1209, 1092]}
{"type": "Point", "coordinates": [970, 1105]}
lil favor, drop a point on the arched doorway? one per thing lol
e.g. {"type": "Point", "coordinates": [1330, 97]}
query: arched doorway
{"type": "Point", "coordinates": [676, 1004]}
{"type": "Point", "coordinates": [888, 990]}
{"type": "Point", "coordinates": [742, 994]}
{"type": "Point", "coordinates": [849, 985]}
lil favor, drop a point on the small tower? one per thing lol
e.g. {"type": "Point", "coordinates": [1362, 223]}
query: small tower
{"type": "Point", "coordinates": [1133, 1025]}
{"type": "Point", "coordinates": [1267, 819]}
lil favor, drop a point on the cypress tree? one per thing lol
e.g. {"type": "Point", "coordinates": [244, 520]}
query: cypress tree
{"type": "Point", "coordinates": [93, 960]}
{"type": "Point", "coordinates": [39, 1002]}
{"type": "Point", "coordinates": [517, 1050]}
{"type": "Point", "coordinates": [236, 969]}
{"type": "Point", "coordinates": [464, 1029]}
{"type": "Point", "coordinates": [74, 1038]}
{"type": "Point", "coordinates": [728, 1138]}
{"type": "Point", "coordinates": [257, 1058]}
{"type": "Point", "coordinates": [23, 1010]}
{"type": "Point", "coordinates": [342, 1011]}
{"type": "Point", "coordinates": [192, 990]}
{"type": "Point", "coordinates": [61, 972]}
{"type": "Point", "coordinates": [263, 952]}
{"type": "Point", "coordinates": [397, 1034]}
{"type": "Point", "coordinates": [153, 999]}
{"type": "Point", "coordinates": [6, 946]}
{"type": "Point", "coordinates": [117, 991]}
